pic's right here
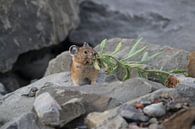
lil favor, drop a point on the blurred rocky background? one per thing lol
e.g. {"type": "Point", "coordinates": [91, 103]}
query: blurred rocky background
{"type": "Point", "coordinates": [34, 31]}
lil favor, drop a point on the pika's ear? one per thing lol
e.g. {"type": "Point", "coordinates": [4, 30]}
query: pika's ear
{"type": "Point", "coordinates": [73, 50]}
{"type": "Point", "coordinates": [85, 44]}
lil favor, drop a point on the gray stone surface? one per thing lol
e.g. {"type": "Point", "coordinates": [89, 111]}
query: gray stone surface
{"type": "Point", "coordinates": [161, 22]}
{"type": "Point", "coordinates": [47, 109]}
{"type": "Point", "coordinates": [71, 110]}
{"type": "Point", "coordinates": [12, 105]}
{"type": "Point", "coordinates": [2, 89]}
{"type": "Point", "coordinates": [187, 90]}
{"type": "Point", "coordinates": [155, 110]}
{"type": "Point", "coordinates": [122, 91]}
{"type": "Point", "coordinates": [31, 25]}
{"type": "Point", "coordinates": [59, 64]}
{"type": "Point", "coordinates": [131, 114]}
{"type": "Point", "coordinates": [105, 120]}
{"type": "Point", "coordinates": [25, 121]}
{"type": "Point", "coordinates": [96, 119]}
{"type": "Point", "coordinates": [92, 101]}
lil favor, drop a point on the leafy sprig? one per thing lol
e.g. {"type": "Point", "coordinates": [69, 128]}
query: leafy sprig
{"type": "Point", "coordinates": [124, 67]}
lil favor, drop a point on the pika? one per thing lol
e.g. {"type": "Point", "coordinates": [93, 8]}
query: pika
{"type": "Point", "coordinates": [191, 65]}
{"type": "Point", "coordinates": [82, 67]}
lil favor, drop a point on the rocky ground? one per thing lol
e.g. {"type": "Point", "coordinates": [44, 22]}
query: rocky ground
{"type": "Point", "coordinates": [32, 33]}
{"type": "Point", "coordinates": [52, 102]}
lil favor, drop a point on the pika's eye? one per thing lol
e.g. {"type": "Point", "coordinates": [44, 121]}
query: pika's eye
{"type": "Point", "coordinates": [85, 52]}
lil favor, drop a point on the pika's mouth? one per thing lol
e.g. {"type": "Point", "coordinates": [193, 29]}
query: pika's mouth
{"type": "Point", "coordinates": [88, 62]}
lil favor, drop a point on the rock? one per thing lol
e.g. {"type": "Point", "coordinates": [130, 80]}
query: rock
{"type": "Point", "coordinates": [130, 89]}
{"type": "Point", "coordinates": [12, 105]}
{"type": "Point", "coordinates": [182, 119]}
{"type": "Point", "coordinates": [131, 114]}
{"type": "Point", "coordinates": [155, 110]}
{"type": "Point", "coordinates": [154, 126]}
{"type": "Point", "coordinates": [174, 80]}
{"type": "Point", "coordinates": [31, 25]}
{"type": "Point", "coordinates": [153, 121]}
{"type": "Point", "coordinates": [105, 120]}
{"type": "Point", "coordinates": [2, 89]}
{"type": "Point", "coordinates": [133, 88]}
{"type": "Point", "coordinates": [91, 101]}
{"type": "Point", "coordinates": [47, 109]}
{"type": "Point", "coordinates": [98, 98]}
{"type": "Point", "coordinates": [59, 64]}
{"type": "Point", "coordinates": [25, 121]}
{"type": "Point", "coordinates": [156, 24]}
{"type": "Point", "coordinates": [71, 110]}
{"type": "Point", "coordinates": [102, 97]}
{"type": "Point", "coordinates": [134, 126]}
{"type": "Point", "coordinates": [11, 81]}
{"type": "Point", "coordinates": [187, 90]}
{"type": "Point", "coordinates": [32, 92]}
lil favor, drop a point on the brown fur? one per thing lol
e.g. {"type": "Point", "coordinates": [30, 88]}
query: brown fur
{"type": "Point", "coordinates": [82, 66]}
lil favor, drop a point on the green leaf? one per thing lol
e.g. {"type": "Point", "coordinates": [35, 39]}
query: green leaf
{"type": "Point", "coordinates": [96, 65]}
{"type": "Point", "coordinates": [154, 56]}
{"type": "Point", "coordinates": [135, 46]}
{"type": "Point", "coordinates": [128, 74]}
{"type": "Point", "coordinates": [145, 57]}
{"type": "Point", "coordinates": [136, 53]}
{"type": "Point", "coordinates": [117, 49]}
{"type": "Point", "coordinates": [103, 45]}
{"type": "Point", "coordinates": [149, 58]}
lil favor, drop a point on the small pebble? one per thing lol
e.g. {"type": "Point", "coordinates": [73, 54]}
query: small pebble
{"type": "Point", "coordinates": [155, 110]}
{"type": "Point", "coordinates": [131, 114]}
{"type": "Point", "coordinates": [31, 93]}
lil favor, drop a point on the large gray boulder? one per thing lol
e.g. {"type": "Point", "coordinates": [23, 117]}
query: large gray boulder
{"type": "Point", "coordinates": [30, 25]}
{"type": "Point", "coordinates": [161, 22]}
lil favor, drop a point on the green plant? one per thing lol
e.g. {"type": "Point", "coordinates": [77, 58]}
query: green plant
{"type": "Point", "coordinates": [124, 67]}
